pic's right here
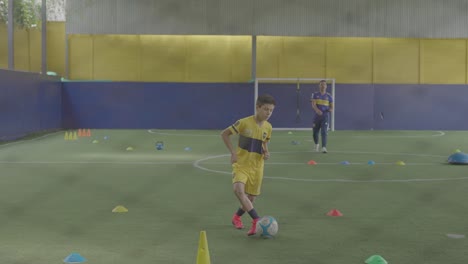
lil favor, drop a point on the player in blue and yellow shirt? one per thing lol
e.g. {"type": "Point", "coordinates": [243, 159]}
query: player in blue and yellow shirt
{"type": "Point", "coordinates": [248, 160]}
{"type": "Point", "coordinates": [322, 103]}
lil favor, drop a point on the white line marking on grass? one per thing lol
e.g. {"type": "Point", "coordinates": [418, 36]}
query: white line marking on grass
{"type": "Point", "coordinates": [438, 134]}
{"type": "Point", "coordinates": [331, 163]}
{"type": "Point", "coordinates": [100, 162]}
{"type": "Point", "coordinates": [387, 153]}
{"type": "Point", "coordinates": [184, 135]}
{"type": "Point", "coordinates": [197, 165]}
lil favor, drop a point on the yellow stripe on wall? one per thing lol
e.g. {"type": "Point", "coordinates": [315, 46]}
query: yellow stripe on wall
{"type": "Point", "coordinates": [303, 57]}
{"type": "Point", "coordinates": [116, 57]}
{"type": "Point", "coordinates": [22, 54]}
{"type": "Point", "coordinates": [170, 58]}
{"type": "Point", "coordinates": [35, 50]}
{"type": "Point", "coordinates": [162, 58]}
{"type": "Point", "coordinates": [80, 50]}
{"type": "Point", "coordinates": [240, 57]}
{"type": "Point", "coordinates": [268, 56]}
{"type": "Point", "coordinates": [349, 60]}
{"type": "Point", "coordinates": [396, 60]}
{"type": "Point", "coordinates": [3, 46]}
{"type": "Point", "coordinates": [443, 61]}
{"type": "Point", "coordinates": [56, 47]}
{"type": "Point", "coordinates": [208, 59]}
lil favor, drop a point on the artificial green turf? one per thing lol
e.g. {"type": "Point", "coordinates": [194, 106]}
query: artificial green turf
{"type": "Point", "coordinates": [56, 198]}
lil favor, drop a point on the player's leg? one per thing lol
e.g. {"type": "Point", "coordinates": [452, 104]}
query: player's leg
{"type": "Point", "coordinates": [252, 188]}
{"type": "Point", "coordinates": [239, 179]}
{"type": "Point", "coordinates": [324, 132]}
{"type": "Point", "coordinates": [246, 204]}
{"type": "Point", "coordinates": [315, 132]}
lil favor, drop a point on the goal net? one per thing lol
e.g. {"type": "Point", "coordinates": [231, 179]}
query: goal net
{"type": "Point", "coordinates": [293, 109]}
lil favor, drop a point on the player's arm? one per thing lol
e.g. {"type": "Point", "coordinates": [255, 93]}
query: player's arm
{"type": "Point", "coordinates": [225, 135]}
{"type": "Point", "coordinates": [266, 152]}
{"type": "Point", "coordinates": [331, 107]}
{"type": "Point", "coordinates": [314, 106]}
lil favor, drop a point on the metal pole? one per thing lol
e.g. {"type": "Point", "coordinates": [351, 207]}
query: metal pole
{"type": "Point", "coordinates": [254, 57]}
{"type": "Point", "coordinates": [11, 43]}
{"type": "Point", "coordinates": [44, 37]}
{"type": "Point", "coordinates": [254, 69]}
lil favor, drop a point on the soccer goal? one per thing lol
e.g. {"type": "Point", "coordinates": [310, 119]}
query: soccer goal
{"type": "Point", "coordinates": [293, 109]}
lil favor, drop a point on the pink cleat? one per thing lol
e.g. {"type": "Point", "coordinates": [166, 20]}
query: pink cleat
{"type": "Point", "coordinates": [237, 222]}
{"type": "Point", "coordinates": [253, 229]}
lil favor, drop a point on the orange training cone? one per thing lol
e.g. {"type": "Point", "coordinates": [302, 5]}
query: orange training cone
{"type": "Point", "coordinates": [79, 133]}
{"type": "Point", "coordinates": [334, 212]}
{"type": "Point", "coordinates": [88, 134]}
{"type": "Point", "coordinates": [312, 162]}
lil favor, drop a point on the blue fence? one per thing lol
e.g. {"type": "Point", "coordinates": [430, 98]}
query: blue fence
{"type": "Point", "coordinates": [215, 106]}
{"type": "Point", "coordinates": [29, 103]}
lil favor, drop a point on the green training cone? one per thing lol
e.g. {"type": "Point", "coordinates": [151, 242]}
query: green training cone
{"type": "Point", "coordinates": [376, 259]}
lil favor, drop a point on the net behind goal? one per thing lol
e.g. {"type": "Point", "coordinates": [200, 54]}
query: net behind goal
{"type": "Point", "coordinates": [293, 109]}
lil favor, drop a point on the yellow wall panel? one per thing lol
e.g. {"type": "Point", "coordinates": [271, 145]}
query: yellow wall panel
{"type": "Point", "coordinates": [21, 52]}
{"type": "Point", "coordinates": [269, 51]}
{"type": "Point", "coordinates": [208, 59]}
{"type": "Point", "coordinates": [396, 60]}
{"type": "Point", "coordinates": [163, 58]}
{"type": "Point", "coordinates": [349, 60]}
{"type": "Point", "coordinates": [80, 50]}
{"type": "Point", "coordinates": [241, 58]}
{"type": "Point", "coordinates": [443, 61]}
{"type": "Point", "coordinates": [35, 50]}
{"type": "Point", "coordinates": [3, 46]}
{"type": "Point", "coordinates": [302, 57]}
{"type": "Point", "coordinates": [116, 57]}
{"type": "Point", "coordinates": [56, 47]}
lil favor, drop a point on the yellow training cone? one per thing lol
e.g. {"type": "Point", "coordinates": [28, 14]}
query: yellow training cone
{"type": "Point", "coordinates": [120, 209]}
{"type": "Point", "coordinates": [66, 136]}
{"type": "Point", "coordinates": [203, 256]}
{"type": "Point", "coordinates": [401, 163]}
{"type": "Point", "coordinates": [74, 136]}
{"type": "Point", "coordinates": [129, 149]}
{"type": "Point", "coordinates": [457, 151]}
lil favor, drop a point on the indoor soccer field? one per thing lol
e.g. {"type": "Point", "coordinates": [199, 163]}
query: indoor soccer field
{"type": "Point", "coordinates": [57, 198]}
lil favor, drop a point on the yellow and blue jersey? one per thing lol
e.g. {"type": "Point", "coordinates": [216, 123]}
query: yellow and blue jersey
{"type": "Point", "coordinates": [323, 101]}
{"type": "Point", "coordinates": [251, 138]}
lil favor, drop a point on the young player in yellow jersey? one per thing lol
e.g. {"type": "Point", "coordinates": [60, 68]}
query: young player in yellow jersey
{"type": "Point", "coordinates": [247, 161]}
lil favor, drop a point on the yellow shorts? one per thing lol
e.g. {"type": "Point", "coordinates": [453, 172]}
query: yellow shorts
{"type": "Point", "coordinates": [251, 176]}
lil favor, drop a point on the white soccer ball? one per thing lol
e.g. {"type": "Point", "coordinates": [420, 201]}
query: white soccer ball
{"type": "Point", "coordinates": [267, 227]}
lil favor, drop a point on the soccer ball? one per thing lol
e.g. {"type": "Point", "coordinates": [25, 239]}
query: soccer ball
{"type": "Point", "coordinates": [267, 227]}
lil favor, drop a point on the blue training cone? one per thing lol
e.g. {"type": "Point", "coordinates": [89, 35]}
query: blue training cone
{"type": "Point", "coordinates": [345, 162]}
{"type": "Point", "coordinates": [371, 162]}
{"type": "Point", "coordinates": [74, 258]}
{"type": "Point", "coordinates": [458, 158]}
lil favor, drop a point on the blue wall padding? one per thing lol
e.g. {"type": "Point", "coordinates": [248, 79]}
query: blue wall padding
{"type": "Point", "coordinates": [154, 105]}
{"type": "Point", "coordinates": [29, 102]}
{"type": "Point", "coordinates": [214, 106]}
{"type": "Point", "coordinates": [421, 107]}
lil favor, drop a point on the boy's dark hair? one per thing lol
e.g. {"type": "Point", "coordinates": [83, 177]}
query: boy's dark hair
{"type": "Point", "coordinates": [265, 99]}
{"type": "Point", "coordinates": [323, 81]}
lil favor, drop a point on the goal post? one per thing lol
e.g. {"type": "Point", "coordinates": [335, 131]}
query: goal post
{"type": "Point", "coordinates": [293, 93]}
